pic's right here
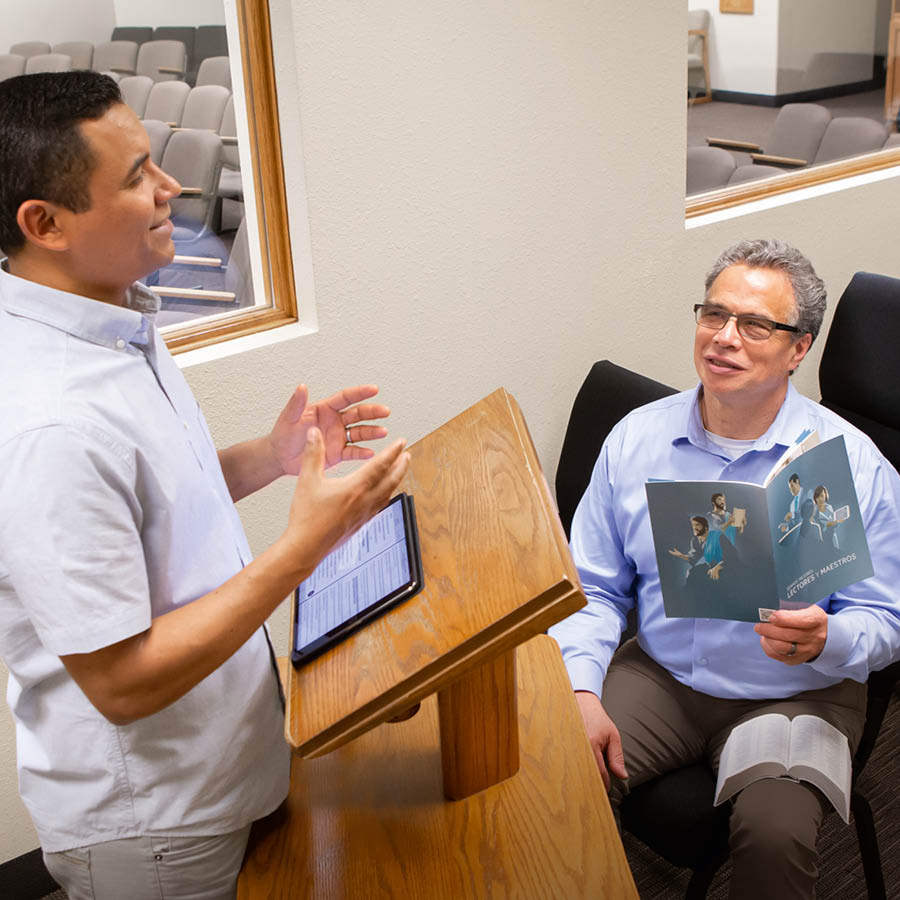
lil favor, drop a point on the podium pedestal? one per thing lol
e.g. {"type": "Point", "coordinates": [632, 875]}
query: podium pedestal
{"type": "Point", "coordinates": [370, 820]}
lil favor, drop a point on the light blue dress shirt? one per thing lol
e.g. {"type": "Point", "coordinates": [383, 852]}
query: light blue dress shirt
{"type": "Point", "coordinates": [113, 511]}
{"type": "Point", "coordinates": [612, 545]}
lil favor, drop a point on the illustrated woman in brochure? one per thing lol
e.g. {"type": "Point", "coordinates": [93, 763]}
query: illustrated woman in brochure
{"type": "Point", "coordinates": [823, 517]}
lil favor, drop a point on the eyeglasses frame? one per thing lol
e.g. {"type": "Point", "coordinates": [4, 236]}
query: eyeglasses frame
{"type": "Point", "coordinates": [776, 326]}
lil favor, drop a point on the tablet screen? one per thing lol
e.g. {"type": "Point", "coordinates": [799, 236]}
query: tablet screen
{"type": "Point", "coordinates": [371, 565]}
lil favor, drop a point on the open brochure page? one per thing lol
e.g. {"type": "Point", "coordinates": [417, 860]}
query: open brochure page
{"type": "Point", "coordinates": [369, 565]}
{"type": "Point", "coordinates": [713, 548]}
{"type": "Point", "coordinates": [771, 746]}
{"type": "Point", "coordinates": [819, 540]}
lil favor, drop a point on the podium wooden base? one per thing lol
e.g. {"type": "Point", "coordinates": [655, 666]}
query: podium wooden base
{"type": "Point", "coordinates": [370, 819]}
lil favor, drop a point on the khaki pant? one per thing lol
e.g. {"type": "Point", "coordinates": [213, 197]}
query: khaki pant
{"type": "Point", "coordinates": [152, 868]}
{"type": "Point", "coordinates": [774, 822]}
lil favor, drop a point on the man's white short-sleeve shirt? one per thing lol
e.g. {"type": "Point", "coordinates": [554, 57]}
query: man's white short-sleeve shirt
{"type": "Point", "coordinates": [113, 511]}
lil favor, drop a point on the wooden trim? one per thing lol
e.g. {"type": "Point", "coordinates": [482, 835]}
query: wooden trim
{"type": "Point", "coordinates": [254, 31]}
{"type": "Point", "coordinates": [725, 198]}
{"type": "Point", "coordinates": [728, 144]}
{"type": "Point", "coordinates": [192, 293]}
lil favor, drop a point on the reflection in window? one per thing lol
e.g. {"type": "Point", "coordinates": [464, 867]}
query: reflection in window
{"type": "Point", "coordinates": [795, 84]}
{"type": "Point", "coordinates": [177, 79]}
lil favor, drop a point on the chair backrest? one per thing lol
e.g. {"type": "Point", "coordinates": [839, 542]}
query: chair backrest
{"type": "Point", "coordinates": [608, 393]}
{"type": "Point", "coordinates": [162, 60]}
{"type": "Point", "coordinates": [11, 64]}
{"type": "Point", "coordinates": [166, 100]}
{"type": "Point", "coordinates": [48, 62]}
{"type": "Point", "coordinates": [238, 275]}
{"type": "Point", "coordinates": [115, 56]}
{"type": "Point", "coordinates": [708, 168]}
{"type": "Point", "coordinates": [184, 33]}
{"type": "Point", "coordinates": [798, 130]}
{"type": "Point", "coordinates": [159, 134]}
{"type": "Point", "coordinates": [697, 19]}
{"type": "Point", "coordinates": [81, 53]}
{"type": "Point", "coordinates": [205, 107]}
{"type": "Point", "coordinates": [215, 70]}
{"type": "Point", "coordinates": [228, 129]}
{"type": "Point", "coordinates": [211, 40]}
{"type": "Point", "coordinates": [194, 158]}
{"type": "Point", "coordinates": [858, 377]}
{"type": "Point", "coordinates": [136, 91]}
{"type": "Point", "coordinates": [29, 48]}
{"type": "Point", "coordinates": [850, 136]}
{"type": "Point", "coordinates": [140, 34]}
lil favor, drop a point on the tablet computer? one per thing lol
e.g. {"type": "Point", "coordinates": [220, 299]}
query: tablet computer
{"type": "Point", "coordinates": [374, 569]}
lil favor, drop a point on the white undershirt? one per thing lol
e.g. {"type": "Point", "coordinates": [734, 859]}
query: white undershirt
{"type": "Point", "coordinates": [731, 447]}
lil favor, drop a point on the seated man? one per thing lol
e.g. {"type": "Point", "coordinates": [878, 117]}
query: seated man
{"type": "Point", "coordinates": [671, 696]}
{"type": "Point", "coordinates": [141, 677]}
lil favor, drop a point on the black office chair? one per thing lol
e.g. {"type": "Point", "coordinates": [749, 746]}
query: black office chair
{"type": "Point", "coordinates": [674, 814]}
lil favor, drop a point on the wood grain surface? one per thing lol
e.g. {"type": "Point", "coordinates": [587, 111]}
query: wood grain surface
{"type": "Point", "coordinates": [369, 821]}
{"type": "Point", "coordinates": [497, 571]}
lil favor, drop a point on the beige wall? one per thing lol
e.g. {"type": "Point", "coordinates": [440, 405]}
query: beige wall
{"type": "Point", "coordinates": [496, 197]}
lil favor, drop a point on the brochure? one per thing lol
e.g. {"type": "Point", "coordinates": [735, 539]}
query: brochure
{"type": "Point", "coordinates": [733, 550]}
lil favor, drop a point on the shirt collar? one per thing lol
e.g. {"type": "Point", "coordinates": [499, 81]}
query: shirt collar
{"type": "Point", "coordinates": [782, 432]}
{"type": "Point", "coordinates": [91, 320]}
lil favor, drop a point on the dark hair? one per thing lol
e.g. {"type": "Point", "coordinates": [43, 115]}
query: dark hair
{"type": "Point", "coordinates": [821, 489]}
{"type": "Point", "coordinates": [702, 522]}
{"type": "Point", "coordinates": [43, 155]}
{"type": "Point", "coordinates": [795, 477]}
{"type": "Point", "coordinates": [716, 494]}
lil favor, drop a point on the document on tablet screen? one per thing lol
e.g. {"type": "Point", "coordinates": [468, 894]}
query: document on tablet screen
{"type": "Point", "coordinates": [370, 565]}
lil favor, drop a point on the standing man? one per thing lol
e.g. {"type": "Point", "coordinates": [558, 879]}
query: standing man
{"type": "Point", "coordinates": [671, 696]}
{"type": "Point", "coordinates": [142, 682]}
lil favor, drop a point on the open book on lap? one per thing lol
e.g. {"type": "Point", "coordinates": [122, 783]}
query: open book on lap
{"type": "Point", "coordinates": [805, 748]}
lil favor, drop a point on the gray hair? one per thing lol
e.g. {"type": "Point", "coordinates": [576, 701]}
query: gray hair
{"type": "Point", "coordinates": [809, 289]}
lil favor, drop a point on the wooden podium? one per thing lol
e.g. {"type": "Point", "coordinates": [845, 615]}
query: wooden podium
{"type": "Point", "coordinates": [373, 819]}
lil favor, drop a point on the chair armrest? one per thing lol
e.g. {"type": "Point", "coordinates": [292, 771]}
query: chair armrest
{"type": "Point", "coordinates": [700, 32]}
{"type": "Point", "coordinates": [787, 162]}
{"type": "Point", "coordinates": [211, 261]}
{"type": "Point", "coordinates": [193, 294]}
{"type": "Point", "coordinates": [170, 70]}
{"type": "Point", "coordinates": [191, 192]}
{"type": "Point", "coordinates": [228, 140]}
{"type": "Point", "coordinates": [728, 144]}
{"type": "Point", "coordinates": [121, 71]}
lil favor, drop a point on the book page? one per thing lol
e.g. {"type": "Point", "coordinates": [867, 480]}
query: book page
{"type": "Point", "coordinates": [806, 440]}
{"type": "Point", "coordinates": [758, 748]}
{"type": "Point", "coordinates": [820, 754]}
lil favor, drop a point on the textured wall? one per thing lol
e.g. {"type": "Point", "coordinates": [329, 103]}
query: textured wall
{"type": "Point", "coordinates": [496, 197]}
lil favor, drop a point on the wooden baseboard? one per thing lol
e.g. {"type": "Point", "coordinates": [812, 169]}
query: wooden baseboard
{"type": "Point", "coordinates": [26, 878]}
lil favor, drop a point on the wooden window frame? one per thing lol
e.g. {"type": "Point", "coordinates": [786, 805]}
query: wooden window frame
{"type": "Point", "coordinates": [727, 197]}
{"type": "Point", "coordinates": [255, 36]}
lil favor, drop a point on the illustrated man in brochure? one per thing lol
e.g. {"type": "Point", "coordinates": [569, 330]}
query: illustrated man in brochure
{"type": "Point", "coordinates": [671, 696]}
{"type": "Point", "coordinates": [141, 676]}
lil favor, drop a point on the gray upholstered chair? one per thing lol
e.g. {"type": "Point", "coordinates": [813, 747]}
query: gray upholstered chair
{"type": "Point", "coordinates": [48, 62]}
{"type": "Point", "coordinates": [166, 101]}
{"type": "Point", "coordinates": [159, 134]}
{"type": "Point", "coordinates": [80, 52]}
{"type": "Point", "coordinates": [115, 56]}
{"type": "Point", "coordinates": [848, 136]}
{"type": "Point", "coordinates": [162, 60]}
{"type": "Point", "coordinates": [698, 55]}
{"type": "Point", "coordinates": [187, 35]}
{"type": "Point", "coordinates": [204, 107]}
{"type": "Point", "coordinates": [136, 91]}
{"type": "Point", "coordinates": [139, 34]}
{"type": "Point", "coordinates": [793, 141]}
{"type": "Point", "coordinates": [195, 159]}
{"type": "Point", "coordinates": [708, 168]}
{"type": "Point", "coordinates": [11, 64]}
{"type": "Point", "coordinates": [751, 172]}
{"type": "Point", "coordinates": [30, 48]}
{"type": "Point", "coordinates": [214, 70]}
{"type": "Point", "coordinates": [893, 140]}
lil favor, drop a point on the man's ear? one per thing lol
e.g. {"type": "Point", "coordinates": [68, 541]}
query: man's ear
{"type": "Point", "coordinates": [39, 222]}
{"type": "Point", "coordinates": [801, 347]}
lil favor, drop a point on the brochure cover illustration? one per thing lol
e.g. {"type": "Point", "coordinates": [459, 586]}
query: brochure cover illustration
{"type": "Point", "coordinates": [733, 550]}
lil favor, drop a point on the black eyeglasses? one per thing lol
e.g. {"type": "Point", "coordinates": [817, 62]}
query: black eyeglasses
{"type": "Point", "coordinates": [750, 326]}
